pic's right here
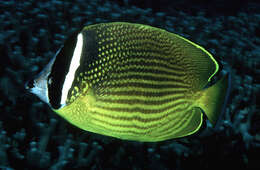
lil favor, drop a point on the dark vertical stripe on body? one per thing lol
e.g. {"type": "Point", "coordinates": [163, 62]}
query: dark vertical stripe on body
{"type": "Point", "coordinates": [60, 69]}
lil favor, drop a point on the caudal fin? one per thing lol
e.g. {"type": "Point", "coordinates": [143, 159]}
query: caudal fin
{"type": "Point", "coordinates": [214, 99]}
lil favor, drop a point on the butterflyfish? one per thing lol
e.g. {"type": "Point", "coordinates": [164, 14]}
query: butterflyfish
{"type": "Point", "coordinates": [132, 82]}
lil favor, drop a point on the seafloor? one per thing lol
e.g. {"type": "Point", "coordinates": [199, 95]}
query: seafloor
{"type": "Point", "coordinates": [33, 137]}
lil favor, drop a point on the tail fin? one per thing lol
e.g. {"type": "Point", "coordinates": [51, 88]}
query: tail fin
{"type": "Point", "coordinates": [214, 99]}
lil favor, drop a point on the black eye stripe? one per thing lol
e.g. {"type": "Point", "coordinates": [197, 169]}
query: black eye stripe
{"type": "Point", "coordinates": [59, 70]}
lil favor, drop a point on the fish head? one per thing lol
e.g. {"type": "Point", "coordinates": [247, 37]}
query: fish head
{"type": "Point", "coordinates": [55, 82]}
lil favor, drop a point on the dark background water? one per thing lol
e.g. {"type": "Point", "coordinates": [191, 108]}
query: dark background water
{"type": "Point", "coordinates": [33, 137]}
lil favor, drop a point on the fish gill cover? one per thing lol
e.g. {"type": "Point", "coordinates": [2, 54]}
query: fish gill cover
{"type": "Point", "coordinates": [32, 137]}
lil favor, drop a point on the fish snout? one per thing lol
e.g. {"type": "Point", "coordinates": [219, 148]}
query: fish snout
{"type": "Point", "coordinates": [29, 84]}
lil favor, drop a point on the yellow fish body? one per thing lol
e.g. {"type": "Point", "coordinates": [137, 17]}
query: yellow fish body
{"type": "Point", "coordinates": [133, 82]}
